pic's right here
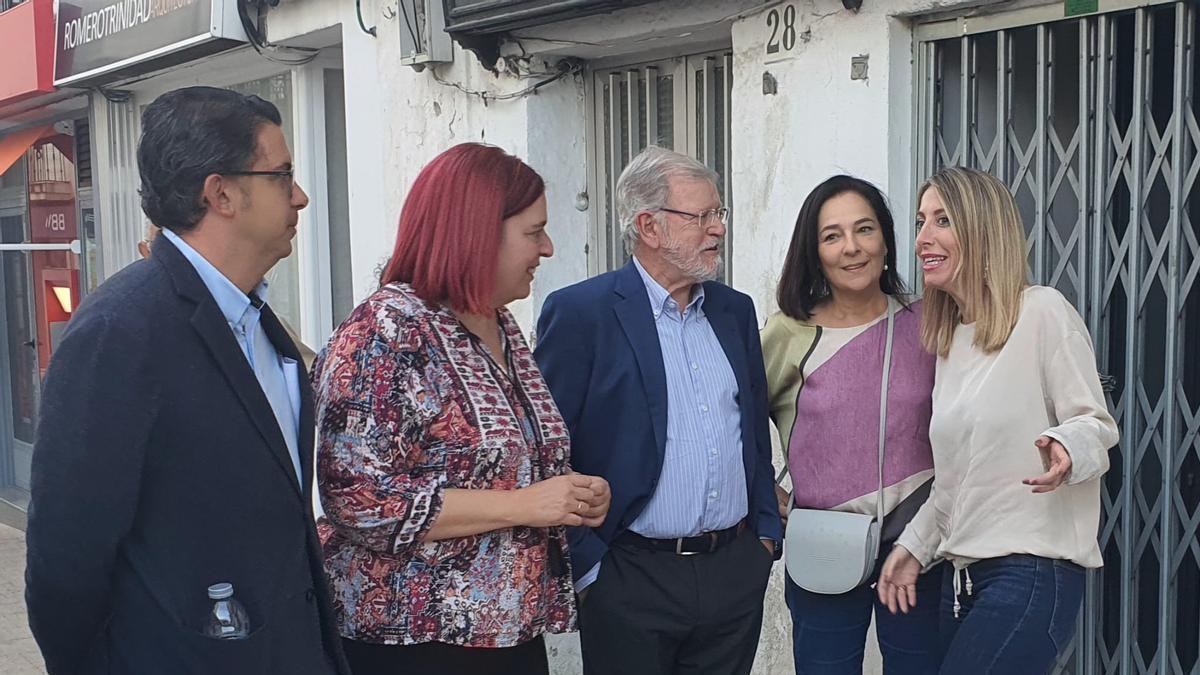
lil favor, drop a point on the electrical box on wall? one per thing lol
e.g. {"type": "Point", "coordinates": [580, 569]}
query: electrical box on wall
{"type": "Point", "coordinates": [423, 36]}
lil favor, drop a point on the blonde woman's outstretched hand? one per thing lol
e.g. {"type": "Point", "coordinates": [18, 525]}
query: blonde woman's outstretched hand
{"type": "Point", "coordinates": [1057, 462]}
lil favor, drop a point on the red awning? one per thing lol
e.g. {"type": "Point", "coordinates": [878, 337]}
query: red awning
{"type": "Point", "coordinates": [27, 42]}
{"type": "Point", "coordinates": [15, 144]}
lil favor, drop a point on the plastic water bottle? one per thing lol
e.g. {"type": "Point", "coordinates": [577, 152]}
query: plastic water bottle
{"type": "Point", "coordinates": [227, 620]}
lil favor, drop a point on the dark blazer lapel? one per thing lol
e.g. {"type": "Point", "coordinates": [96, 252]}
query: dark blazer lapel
{"type": "Point", "coordinates": [724, 323]}
{"type": "Point", "coordinates": [210, 323]}
{"type": "Point", "coordinates": [283, 342]}
{"type": "Point", "coordinates": [307, 431]}
{"type": "Point", "coordinates": [637, 320]}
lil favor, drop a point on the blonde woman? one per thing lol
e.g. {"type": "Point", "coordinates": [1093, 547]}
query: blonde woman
{"type": "Point", "coordinates": [1020, 436]}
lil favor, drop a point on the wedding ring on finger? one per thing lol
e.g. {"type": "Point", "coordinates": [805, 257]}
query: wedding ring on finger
{"type": "Point", "coordinates": [582, 506]}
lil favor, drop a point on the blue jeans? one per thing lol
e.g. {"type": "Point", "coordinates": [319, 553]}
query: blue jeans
{"type": "Point", "coordinates": [829, 632]}
{"type": "Point", "coordinates": [1020, 614]}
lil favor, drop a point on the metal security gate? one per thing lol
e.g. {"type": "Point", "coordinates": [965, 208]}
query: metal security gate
{"type": "Point", "coordinates": [683, 104]}
{"type": "Point", "coordinates": [1092, 122]}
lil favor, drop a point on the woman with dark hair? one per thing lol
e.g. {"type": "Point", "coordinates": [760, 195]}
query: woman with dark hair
{"type": "Point", "coordinates": [442, 459]}
{"type": "Point", "coordinates": [840, 298]}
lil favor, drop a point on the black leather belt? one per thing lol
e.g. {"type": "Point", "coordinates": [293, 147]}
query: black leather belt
{"type": "Point", "coordinates": [701, 543]}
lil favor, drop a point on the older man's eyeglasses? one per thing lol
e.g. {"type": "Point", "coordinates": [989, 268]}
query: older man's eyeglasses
{"type": "Point", "coordinates": [704, 218]}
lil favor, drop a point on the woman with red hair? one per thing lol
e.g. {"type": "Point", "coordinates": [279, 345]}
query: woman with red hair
{"type": "Point", "coordinates": [442, 460]}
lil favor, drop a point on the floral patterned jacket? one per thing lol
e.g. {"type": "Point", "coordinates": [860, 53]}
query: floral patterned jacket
{"type": "Point", "coordinates": [409, 403]}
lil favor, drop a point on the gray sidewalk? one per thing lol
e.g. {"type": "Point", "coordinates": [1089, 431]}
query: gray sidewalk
{"type": "Point", "coordinates": [18, 651]}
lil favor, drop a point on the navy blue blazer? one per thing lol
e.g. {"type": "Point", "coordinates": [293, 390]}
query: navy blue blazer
{"type": "Point", "coordinates": [159, 469]}
{"type": "Point", "coordinates": [598, 349]}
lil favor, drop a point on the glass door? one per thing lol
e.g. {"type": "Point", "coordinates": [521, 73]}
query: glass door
{"type": "Point", "coordinates": [20, 360]}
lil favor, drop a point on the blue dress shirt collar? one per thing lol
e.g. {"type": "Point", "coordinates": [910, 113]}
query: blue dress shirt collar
{"type": "Point", "coordinates": [661, 300]}
{"type": "Point", "coordinates": [232, 302]}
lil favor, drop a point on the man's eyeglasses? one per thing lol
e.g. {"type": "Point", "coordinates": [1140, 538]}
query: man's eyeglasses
{"type": "Point", "coordinates": [280, 173]}
{"type": "Point", "coordinates": [704, 218]}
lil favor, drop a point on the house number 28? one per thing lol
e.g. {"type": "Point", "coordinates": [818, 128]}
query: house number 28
{"type": "Point", "coordinates": [783, 29]}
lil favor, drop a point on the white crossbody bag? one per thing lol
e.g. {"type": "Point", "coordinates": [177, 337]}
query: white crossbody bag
{"type": "Point", "coordinates": [832, 552]}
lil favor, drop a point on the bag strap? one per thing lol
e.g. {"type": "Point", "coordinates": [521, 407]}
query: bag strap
{"type": "Point", "coordinates": [883, 399]}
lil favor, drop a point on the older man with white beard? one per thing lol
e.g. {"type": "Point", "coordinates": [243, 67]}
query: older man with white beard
{"type": "Point", "coordinates": [657, 370]}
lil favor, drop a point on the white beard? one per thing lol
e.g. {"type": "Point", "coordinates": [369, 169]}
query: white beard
{"type": "Point", "coordinates": [691, 263]}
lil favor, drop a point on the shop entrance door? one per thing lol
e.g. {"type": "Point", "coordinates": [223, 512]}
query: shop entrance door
{"type": "Point", "coordinates": [18, 351]}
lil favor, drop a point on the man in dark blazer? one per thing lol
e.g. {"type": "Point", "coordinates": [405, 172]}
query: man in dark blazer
{"type": "Point", "coordinates": [658, 372]}
{"type": "Point", "coordinates": [174, 448]}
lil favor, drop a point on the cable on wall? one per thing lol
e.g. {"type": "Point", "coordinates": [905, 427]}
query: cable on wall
{"type": "Point", "coordinates": [372, 31]}
{"type": "Point", "coordinates": [412, 33]}
{"type": "Point", "coordinates": [566, 68]}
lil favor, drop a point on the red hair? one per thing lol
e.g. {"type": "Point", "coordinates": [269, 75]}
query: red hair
{"type": "Point", "coordinates": [452, 222]}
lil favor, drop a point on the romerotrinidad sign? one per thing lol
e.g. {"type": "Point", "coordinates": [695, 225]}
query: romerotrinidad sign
{"type": "Point", "coordinates": [95, 38]}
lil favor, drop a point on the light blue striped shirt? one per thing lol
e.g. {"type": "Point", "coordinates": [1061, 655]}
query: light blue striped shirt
{"type": "Point", "coordinates": [702, 486]}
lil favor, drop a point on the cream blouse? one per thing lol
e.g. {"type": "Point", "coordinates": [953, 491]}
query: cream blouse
{"type": "Point", "coordinates": [988, 409]}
